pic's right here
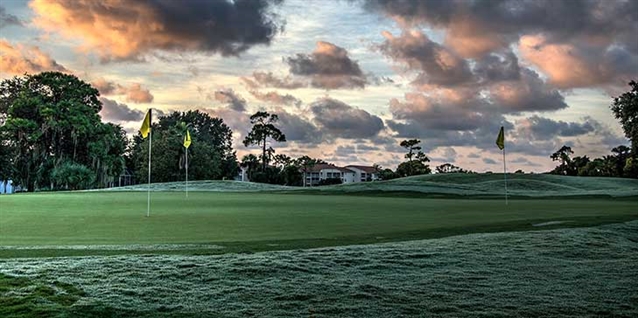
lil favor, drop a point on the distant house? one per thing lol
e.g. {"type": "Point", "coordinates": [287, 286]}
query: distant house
{"type": "Point", "coordinates": [6, 187]}
{"type": "Point", "coordinates": [242, 174]}
{"type": "Point", "coordinates": [348, 174]}
{"type": "Point", "coordinates": [364, 173]}
{"type": "Point", "coordinates": [126, 178]}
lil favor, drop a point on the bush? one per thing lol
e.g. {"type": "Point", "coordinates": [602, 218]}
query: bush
{"type": "Point", "coordinates": [330, 181]}
{"type": "Point", "coordinates": [73, 176]}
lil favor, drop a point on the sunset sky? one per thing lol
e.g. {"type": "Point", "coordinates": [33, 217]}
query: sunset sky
{"type": "Point", "coordinates": [351, 79]}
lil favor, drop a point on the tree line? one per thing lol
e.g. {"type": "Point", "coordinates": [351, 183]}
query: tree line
{"type": "Point", "coordinates": [52, 138]}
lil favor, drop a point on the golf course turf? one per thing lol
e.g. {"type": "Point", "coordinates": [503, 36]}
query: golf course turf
{"type": "Point", "coordinates": [427, 246]}
{"type": "Point", "coordinates": [261, 221]}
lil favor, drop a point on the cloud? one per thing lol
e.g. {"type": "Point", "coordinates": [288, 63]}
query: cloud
{"type": "Point", "coordinates": [276, 98]}
{"type": "Point", "coordinates": [124, 30]}
{"type": "Point", "coordinates": [229, 97]}
{"type": "Point", "coordinates": [7, 19]}
{"type": "Point", "coordinates": [115, 112]}
{"type": "Point", "coordinates": [529, 93]}
{"type": "Point", "coordinates": [437, 65]}
{"type": "Point", "coordinates": [328, 67]}
{"type": "Point", "coordinates": [19, 59]}
{"type": "Point", "coordinates": [108, 87]}
{"type": "Point", "coordinates": [576, 43]}
{"type": "Point", "coordinates": [134, 93]}
{"type": "Point", "coordinates": [495, 24]}
{"type": "Point", "coordinates": [489, 161]}
{"type": "Point", "coordinates": [540, 128]}
{"type": "Point", "coordinates": [297, 128]}
{"type": "Point", "coordinates": [525, 161]}
{"type": "Point", "coordinates": [449, 110]}
{"type": "Point", "coordinates": [339, 119]}
{"type": "Point", "coordinates": [573, 65]}
{"type": "Point", "coordinates": [495, 67]}
{"type": "Point", "coordinates": [268, 79]}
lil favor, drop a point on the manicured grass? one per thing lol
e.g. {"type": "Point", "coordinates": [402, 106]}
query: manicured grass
{"type": "Point", "coordinates": [262, 221]}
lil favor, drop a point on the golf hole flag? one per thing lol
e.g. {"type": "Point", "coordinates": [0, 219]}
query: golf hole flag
{"type": "Point", "coordinates": [146, 132]}
{"type": "Point", "coordinates": [187, 140]}
{"type": "Point", "coordinates": [500, 140]}
{"type": "Point", "coordinates": [146, 125]}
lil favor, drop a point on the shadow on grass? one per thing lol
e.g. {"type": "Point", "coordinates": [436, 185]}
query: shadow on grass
{"type": "Point", "coordinates": [278, 245]}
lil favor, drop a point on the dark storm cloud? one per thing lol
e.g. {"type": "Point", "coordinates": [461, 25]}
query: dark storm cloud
{"type": "Point", "coordinates": [529, 93]}
{"type": "Point", "coordinates": [578, 43]}
{"type": "Point", "coordinates": [229, 97]}
{"type": "Point", "coordinates": [544, 128]}
{"type": "Point", "coordinates": [339, 119]}
{"type": "Point", "coordinates": [297, 128]}
{"type": "Point", "coordinates": [498, 67]}
{"type": "Point", "coordinates": [126, 30]}
{"type": "Point", "coordinates": [328, 67]}
{"type": "Point", "coordinates": [561, 19]}
{"type": "Point", "coordinates": [115, 112]}
{"type": "Point", "coordinates": [7, 19]}
{"type": "Point", "coordinates": [437, 64]}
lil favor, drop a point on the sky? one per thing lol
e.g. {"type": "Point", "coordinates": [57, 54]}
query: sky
{"type": "Point", "coordinates": [351, 79]}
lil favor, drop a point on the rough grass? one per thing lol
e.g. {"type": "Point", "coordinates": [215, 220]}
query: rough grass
{"type": "Point", "coordinates": [584, 272]}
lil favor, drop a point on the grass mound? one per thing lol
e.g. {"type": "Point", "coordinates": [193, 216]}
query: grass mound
{"type": "Point", "coordinates": [491, 185]}
{"type": "Point", "coordinates": [204, 185]}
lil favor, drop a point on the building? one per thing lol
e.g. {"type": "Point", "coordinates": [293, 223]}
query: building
{"type": "Point", "coordinates": [349, 174]}
{"type": "Point", "coordinates": [6, 187]}
{"type": "Point", "coordinates": [364, 173]}
{"type": "Point", "coordinates": [242, 174]}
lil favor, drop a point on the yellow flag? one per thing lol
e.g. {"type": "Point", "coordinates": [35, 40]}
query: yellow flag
{"type": "Point", "coordinates": [187, 140]}
{"type": "Point", "coordinates": [500, 140]}
{"type": "Point", "coordinates": [146, 125]}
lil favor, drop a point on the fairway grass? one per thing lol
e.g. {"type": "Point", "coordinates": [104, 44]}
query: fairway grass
{"type": "Point", "coordinates": [582, 272]}
{"type": "Point", "coordinates": [87, 223]}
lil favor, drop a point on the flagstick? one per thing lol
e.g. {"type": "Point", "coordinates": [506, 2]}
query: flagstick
{"type": "Point", "coordinates": [148, 205]}
{"type": "Point", "coordinates": [505, 175]}
{"type": "Point", "coordinates": [187, 172]}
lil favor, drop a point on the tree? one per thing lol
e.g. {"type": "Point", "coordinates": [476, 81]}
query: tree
{"type": "Point", "coordinates": [251, 162]}
{"type": "Point", "coordinates": [625, 109]}
{"type": "Point", "coordinates": [622, 154]}
{"type": "Point", "coordinates": [283, 161]}
{"type": "Point", "coordinates": [413, 168]}
{"type": "Point", "coordinates": [387, 174]}
{"type": "Point", "coordinates": [263, 128]}
{"type": "Point", "coordinates": [52, 118]}
{"type": "Point", "coordinates": [576, 165]}
{"type": "Point", "coordinates": [210, 155]}
{"type": "Point", "coordinates": [411, 146]}
{"type": "Point", "coordinates": [416, 166]}
{"type": "Point", "coordinates": [305, 163]}
{"type": "Point", "coordinates": [213, 138]}
{"type": "Point", "coordinates": [562, 155]}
